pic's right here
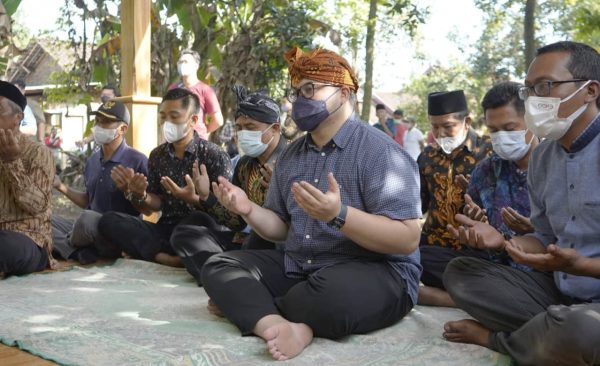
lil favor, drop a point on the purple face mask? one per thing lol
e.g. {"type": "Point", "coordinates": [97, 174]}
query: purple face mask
{"type": "Point", "coordinates": [308, 113]}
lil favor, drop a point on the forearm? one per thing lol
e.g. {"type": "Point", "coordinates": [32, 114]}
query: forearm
{"type": "Point", "coordinates": [151, 203]}
{"type": "Point", "coordinates": [266, 223]}
{"type": "Point", "coordinates": [216, 120]}
{"type": "Point", "coordinates": [529, 244]}
{"type": "Point", "coordinates": [81, 199]}
{"type": "Point", "coordinates": [587, 266]}
{"type": "Point", "coordinates": [41, 129]}
{"type": "Point", "coordinates": [381, 234]}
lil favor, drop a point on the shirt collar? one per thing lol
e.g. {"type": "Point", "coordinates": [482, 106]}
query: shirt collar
{"type": "Point", "coordinates": [117, 156]}
{"type": "Point", "coordinates": [191, 147]}
{"type": "Point", "coordinates": [590, 132]}
{"type": "Point", "coordinates": [342, 136]}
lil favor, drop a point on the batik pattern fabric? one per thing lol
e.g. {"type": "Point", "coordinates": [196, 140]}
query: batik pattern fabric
{"type": "Point", "coordinates": [441, 197]}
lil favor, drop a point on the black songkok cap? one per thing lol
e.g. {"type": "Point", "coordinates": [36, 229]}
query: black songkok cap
{"type": "Point", "coordinates": [441, 103]}
{"type": "Point", "coordinates": [11, 92]}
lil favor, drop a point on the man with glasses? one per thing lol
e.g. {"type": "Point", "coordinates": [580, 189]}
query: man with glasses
{"type": "Point", "coordinates": [345, 199]}
{"type": "Point", "coordinates": [536, 319]}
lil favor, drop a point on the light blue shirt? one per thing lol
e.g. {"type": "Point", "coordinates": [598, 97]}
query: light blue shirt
{"type": "Point", "coordinates": [565, 203]}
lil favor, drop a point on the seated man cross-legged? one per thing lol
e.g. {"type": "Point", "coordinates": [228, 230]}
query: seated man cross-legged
{"type": "Point", "coordinates": [345, 199]}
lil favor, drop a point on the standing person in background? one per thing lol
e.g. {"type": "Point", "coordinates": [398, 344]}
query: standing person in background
{"type": "Point", "coordinates": [384, 123]}
{"type": "Point", "coordinates": [414, 141]}
{"type": "Point", "coordinates": [34, 122]}
{"type": "Point", "coordinates": [187, 67]}
{"type": "Point", "coordinates": [401, 126]}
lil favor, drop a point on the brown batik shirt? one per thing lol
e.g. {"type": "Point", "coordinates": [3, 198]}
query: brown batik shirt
{"type": "Point", "coordinates": [441, 197]}
{"type": "Point", "coordinates": [26, 193]}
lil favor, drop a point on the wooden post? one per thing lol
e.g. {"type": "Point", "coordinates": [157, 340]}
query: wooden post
{"type": "Point", "coordinates": [135, 74]}
{"type": "Point", "coordinates": [135, 77]}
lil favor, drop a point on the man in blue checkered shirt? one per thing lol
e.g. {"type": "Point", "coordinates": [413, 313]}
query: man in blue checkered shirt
{"type": "Point", "coordinates": [345, 200]}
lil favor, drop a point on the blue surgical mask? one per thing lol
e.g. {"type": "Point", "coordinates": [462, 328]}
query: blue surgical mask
{"type": "Point", "coordinates": [510, 145]}
{"type": "Point", "coordinates": [250, 142]}
{"type": "Point", "coordinates": [309, 113]}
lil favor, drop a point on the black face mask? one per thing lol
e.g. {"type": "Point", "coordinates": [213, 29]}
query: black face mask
{"type": "Point", "coordinates": [308, 113]}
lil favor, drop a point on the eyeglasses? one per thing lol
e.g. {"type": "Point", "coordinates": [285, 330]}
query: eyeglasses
{"type": "Point", "coordinates": [307, 90]}
{"type": "Point", "coordinates": [542, 88]}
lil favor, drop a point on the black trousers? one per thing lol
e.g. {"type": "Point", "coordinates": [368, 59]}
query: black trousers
{"type": "Point", "coordinates": [335, 301]}
{"type": "Point", "coordinates": [434, 260]}
{"type": "Point", "coordinates": [20, 255]}
{"type": "Point", "coordinates": [138, 238]}
{"type": "Point", "coordinates": [530, 319]}
{"type": "Point", "coordinates": [198, 237]}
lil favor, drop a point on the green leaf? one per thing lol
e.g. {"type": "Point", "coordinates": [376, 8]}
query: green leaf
{"type": "Point", "coordinates": [215, 55]}
{"type": "Point", "coordinates": [11, 6]}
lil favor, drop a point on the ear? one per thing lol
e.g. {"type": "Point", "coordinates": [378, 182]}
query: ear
{"type": "Point", "coordinates": [276, 127]}
{"type": "Point", "coordinates": [124, 127]}
{"type": "Point", "coordinates": [194, 118]}
{"type": "Point", "coordinates": [468, 121]}
{"type": "Point", "coordinates": [593, 91]}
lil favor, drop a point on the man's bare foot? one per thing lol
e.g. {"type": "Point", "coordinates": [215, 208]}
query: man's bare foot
{"type": "Point", "coordinates": [467, 331]}
{"type": "Point", "coordinates": [168, 260]}
{"type": "Point", "coordinates": [214, 309]}
{"type": "Point", "coordinates": [433, 296]}
{"type": "Point", "coordinates": [286, 340]}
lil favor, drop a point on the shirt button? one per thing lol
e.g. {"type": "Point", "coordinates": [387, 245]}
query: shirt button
{"type": "Point", "coordinates": [307, 236]}
{"type": "Point", "coordinates": [572, 245]}
{"type": "Point", "coordinates": [309, 261]}
{"type": "Point", "coordinates": [564, 276]}
{"type": "Point", "coordinates": [571, 156]}
{"type": "Point", "coordinates": [572, 186]}
{"type": "Point", "coordinates": [573, 218]}
{"type": "Point", "coordinates": [333, 145]}
{"type": "Point", "coordinates": [322, 154]}
{"type": "Point", "coordinates": [316, 180]}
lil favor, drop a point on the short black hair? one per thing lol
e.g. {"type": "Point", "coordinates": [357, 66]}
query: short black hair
{"type": "Point", "coordinates": [502, 94]}
{"type": "Point", "coordinates": [584, 61]}
{"type": "Point", "coordinates": [399, 112]}
{"type": "Point", "coordinates": [187, 98]}
{"type": "Point", "coordinates": [379, 106]}
{"type": "Point", "coordinates": [113, 88]}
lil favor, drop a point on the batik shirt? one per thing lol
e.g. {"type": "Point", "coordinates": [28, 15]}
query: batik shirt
{"type": "Point", "coordinates": [26, 194]}
{"type": "Point", "coordinates": [248, 177]}
{"type": "Point", "coordinates": [441, 197]}
{"type": "Point", "coordinates": [163, 162]}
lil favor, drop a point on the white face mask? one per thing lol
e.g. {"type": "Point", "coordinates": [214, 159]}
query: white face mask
{"type": "Point", "coordinates": [449, 144]}
{"type": "Point", "coordinates": [174, 132]}
{"type": "Point", "coordinates": [250, 142]}
{"type": "Point", "coordinates": [541, 115]}
{"type": "Point", "coordinates": [510, 145]}
{"type": "Point", "coordinates": [104, 136]}
{"type": "Point", "coordinates": [186, 69]}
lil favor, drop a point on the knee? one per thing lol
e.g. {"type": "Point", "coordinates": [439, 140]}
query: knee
{"type": "Point", "coordinates": [109, 222]}
{"type": "Point", "coordinates": [188, 239]}
{"type": "Point", "coordinates": [87, 222]}
{"type": "Point", "coordinates": [456, 277]}
{"type": "Point", "coordinates": [577, 328]}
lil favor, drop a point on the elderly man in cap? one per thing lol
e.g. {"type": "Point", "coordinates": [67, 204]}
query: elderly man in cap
{"type": "Point", "coordinates": [258, 131]}
{"type": "Point", "coordinates": [79, 239]}
{"type": "Point", "coordinates": [442, 166]}
{"type": "Point", "coordinates": [168, 187]}
{"type": "Point", "coordinates": [350, 225]}
{"type": "Point", "coordinates": [26, 171]}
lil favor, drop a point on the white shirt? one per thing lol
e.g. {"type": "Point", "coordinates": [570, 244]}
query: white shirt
{"type": "Point", "coordinates": [411, 142]}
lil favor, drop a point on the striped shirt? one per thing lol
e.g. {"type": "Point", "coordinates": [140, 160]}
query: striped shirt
{"type": "Point", "coordinates": [26, 193]}
{"type": "Point", "coordinates": [375, 175]}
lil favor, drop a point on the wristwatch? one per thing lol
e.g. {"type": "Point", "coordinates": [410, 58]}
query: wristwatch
{"type": "Point", "coordinates": [338, 222]}
{"type": "Point", "coordinates": [135, 199]}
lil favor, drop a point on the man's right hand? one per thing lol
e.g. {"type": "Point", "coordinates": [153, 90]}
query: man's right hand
{"type": "Point", "coordinates": [57, 182]}
{"type": "Point", "coordinates": [477, 234]}
{"type": "Point", "coordinates": [232, 197]}
{"type": "Point", "coordinates": [138, 184]}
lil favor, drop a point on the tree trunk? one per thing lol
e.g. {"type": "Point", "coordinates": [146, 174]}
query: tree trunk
{"type": "Point", "coordinates": [529, 32]}
{"type": "Point", "coordinates": [369, 58]}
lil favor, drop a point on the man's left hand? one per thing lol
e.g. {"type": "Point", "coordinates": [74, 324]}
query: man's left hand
{"type": "Point", "coordinates": [318, 205]}
{"type": "Point", "coordinates": [186, 194]}
{"type": "Point", "coordinates": [555, 259]}
{"type": "Point", "coordinates": [10, 150]}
